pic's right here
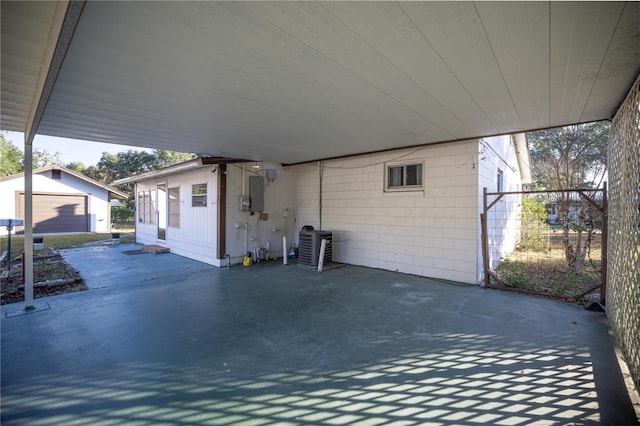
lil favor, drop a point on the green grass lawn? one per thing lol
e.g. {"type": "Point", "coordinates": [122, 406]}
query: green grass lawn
{"type": "Point", "coordinates": [59, 241]}
{"type": "Point", "coordinates": [48, 265]}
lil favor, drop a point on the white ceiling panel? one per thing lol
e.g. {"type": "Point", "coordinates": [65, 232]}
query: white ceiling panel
{"type": "Point", "coordinates": [576, 60]}
{"type": "Point", "coordinates": [294, 82]}
{"type": "Point", "coordinates": [521, 59]}
{"type": "Point", "coordinates": [25, 35]}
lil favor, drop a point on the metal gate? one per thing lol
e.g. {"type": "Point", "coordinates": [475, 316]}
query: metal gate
{"type": "Point", "coordinates": [549, 243]}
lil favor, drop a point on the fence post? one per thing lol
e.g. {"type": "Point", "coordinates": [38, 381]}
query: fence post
{"type": "Point", "coordinates": [484, 238]}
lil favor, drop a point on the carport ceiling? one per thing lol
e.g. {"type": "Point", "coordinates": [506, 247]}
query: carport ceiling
{"type": "Point", "coordinates": [292, 82]}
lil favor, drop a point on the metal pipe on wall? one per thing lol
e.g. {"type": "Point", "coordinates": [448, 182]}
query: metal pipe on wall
{"type": "Point", "coordinates": [319, 195]}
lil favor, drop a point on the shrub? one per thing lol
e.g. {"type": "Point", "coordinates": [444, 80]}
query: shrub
{"type": "Point", "coordinates": [513, 274]}
{"type": "Point", "coordinates": [121, 214]}
{"type": "Point", "coordinates": [533, 216]}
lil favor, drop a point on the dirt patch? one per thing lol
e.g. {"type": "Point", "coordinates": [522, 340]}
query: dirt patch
{"type": "Point", "coordinates": [51, 276]}
{"type": "Point", "coordinates": [546, 273]}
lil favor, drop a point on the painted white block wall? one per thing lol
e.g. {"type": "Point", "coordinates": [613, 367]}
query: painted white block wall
{"type": "Point", "coordinates": [498, 153]}
{"type": "Point", "coordinates": [431, 232]}
{"type": "Point", "coordinates": [278, 203]}
{"type": "Point", "coordinates": [99, 206]}
{"type": "Point", "coordinates": [196, 237]}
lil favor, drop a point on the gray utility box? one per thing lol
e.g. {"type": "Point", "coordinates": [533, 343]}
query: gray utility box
{"type": "Point", "coordinates": [256, 193]}
{"type": "Point", "coordinates": [309, 247]}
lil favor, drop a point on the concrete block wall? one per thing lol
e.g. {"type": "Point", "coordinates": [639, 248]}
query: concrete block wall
{"type": "Point", "coordinates": [432, 232]}
{"type": "Point", "coordinates": [503, 223]}
{"type": "Point", "coordinates": [278, 204]}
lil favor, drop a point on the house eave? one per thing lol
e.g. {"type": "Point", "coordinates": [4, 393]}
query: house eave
{"type": "Point", "coordinates": [189, 165]}
{"type": "Point", "coordinates": [112, 191]}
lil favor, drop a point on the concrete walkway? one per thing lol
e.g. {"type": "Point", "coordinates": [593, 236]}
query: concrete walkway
{"type": "Point", "coordinates": [160, 339]}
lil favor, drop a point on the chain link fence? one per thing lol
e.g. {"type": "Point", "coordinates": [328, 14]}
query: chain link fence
{"type": "Point", "coordinates": [549, 243]}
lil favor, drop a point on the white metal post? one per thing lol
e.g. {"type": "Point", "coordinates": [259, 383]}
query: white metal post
{"type": "Point", "coordinates": [28, 226]}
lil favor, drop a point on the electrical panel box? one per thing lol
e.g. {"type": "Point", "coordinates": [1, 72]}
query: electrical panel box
{"type": "Point", "coordinates": [309, 247]}
{"type": "Point", "coordinates": [256, 193]}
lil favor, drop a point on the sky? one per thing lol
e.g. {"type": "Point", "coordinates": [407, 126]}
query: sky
{"type": "Point", "coordinates": [72, 150]}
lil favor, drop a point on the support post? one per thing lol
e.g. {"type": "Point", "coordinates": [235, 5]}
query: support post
{"type": "Point", "coordinates": [484, 239]}
{"type": "Point", "coordinates": [9, 247]}
{"type": "Point", "coordinates": [28, 226]}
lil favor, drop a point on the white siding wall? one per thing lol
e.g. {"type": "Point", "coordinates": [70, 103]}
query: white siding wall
{"type": "Point", "coordinates": [98, 203]}
{"type": "Point", "coordinates": [196, 237]}
{"type": "Point", "coordinates": [503, 219]}
{"type": "Point", "coordinates": [430, 233]}
{"type": "Point", "coordinates": [278, 198]}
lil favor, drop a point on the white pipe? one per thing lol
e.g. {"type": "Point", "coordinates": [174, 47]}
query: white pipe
{"type": "Point", "coordinates": [284, 250]}
{"type": "Point", "coordinates": [245, 227]}
{"type": "Point", "coordinates": [243, 171]}
{"type": "Point", "coordinates": [320, 194]}
{"type": "Point", "coordinates": [323, 247]}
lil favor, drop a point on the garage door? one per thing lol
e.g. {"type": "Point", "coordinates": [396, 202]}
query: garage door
{"type": "Point", "coordinates": [58, 212]}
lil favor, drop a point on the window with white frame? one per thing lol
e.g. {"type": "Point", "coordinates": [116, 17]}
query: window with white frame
{"type": "Point", "coordinates": [174, 207]}
{"type": "Point", "coordinates": [403, 176]}
{"type": "Point", "coordinates": [141, 207]}
{"type": "Point", "coordinates": [146, 209]}
{"type": "Point", "coordinates": [500, 181]}
{"type": "Point", "coordinates": [199, 195]}
{"type": "Point", "coordinates": [152, 207]}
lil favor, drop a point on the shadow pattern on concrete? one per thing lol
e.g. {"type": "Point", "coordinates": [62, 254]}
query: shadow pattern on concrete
{"type": "Point", "coordinates": [271, 345]}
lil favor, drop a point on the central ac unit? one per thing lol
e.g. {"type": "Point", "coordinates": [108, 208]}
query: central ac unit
{"type": "Point", "coordinates": [309, 247]}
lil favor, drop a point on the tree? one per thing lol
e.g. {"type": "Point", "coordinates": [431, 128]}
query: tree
{"type": "Point", "coordinates": [76, 166]}
{"type": "Point", "coordinates": [571, 157]}
{"type": "Point", "coordinates": [43, 158]}
{"type": "Point", "coordinates": [11, 158]}
{"type": "Point", "coordinates": [128, 163]}
{"type": "Point", "coordinates": [532, 216]}
{"type": "Point", "coordinates": [166, 158]}
{"type": "Point", "coordinates": [125, 164]}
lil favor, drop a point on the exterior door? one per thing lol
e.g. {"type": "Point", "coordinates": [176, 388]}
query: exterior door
{"type": "Point", "coordinates": [161, 211]}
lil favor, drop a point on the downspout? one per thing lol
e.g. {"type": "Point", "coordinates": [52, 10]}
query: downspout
{"type": "Point", "coordinates": [320, 194]}
{"type": "Point", "coordinates": [244, 224]}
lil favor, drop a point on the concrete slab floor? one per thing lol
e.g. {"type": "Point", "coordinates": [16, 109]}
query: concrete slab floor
{"type": "Point", "coordinates": [273, 344]}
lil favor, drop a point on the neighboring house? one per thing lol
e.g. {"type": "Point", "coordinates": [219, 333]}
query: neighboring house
{"type": "Point", "coordinates": [412, 210]}
{"type": "Point", "coordinates": [575, 206]}
{"type": "Point", "coordinates": [63, 201]}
